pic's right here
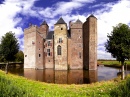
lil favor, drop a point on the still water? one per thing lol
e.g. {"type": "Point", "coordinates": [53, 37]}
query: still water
{"type": "Point", "coordinates": [68, 77]}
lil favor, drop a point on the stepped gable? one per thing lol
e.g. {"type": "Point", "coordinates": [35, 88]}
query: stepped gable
{"type": "Point", "coordinates": [61, 21]}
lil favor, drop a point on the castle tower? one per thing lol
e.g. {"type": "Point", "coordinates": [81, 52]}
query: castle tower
{"type": "Point", "coordinates": [76, 45]}
{"type": "Point", "coordinates": [34, 38]}
{"type": "Point", "coordinates": [29, 47]}
{"type": "Point", "coordinates": [60, 45]}
{"type": "Point", "coordinates": [44, 28]}
{"type": "Point", "coordinates": [90, 43]}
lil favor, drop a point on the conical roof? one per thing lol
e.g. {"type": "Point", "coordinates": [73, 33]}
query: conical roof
{"type": "Point", "coordinates": [92, 16]}
{"type": "Point", "coordinates": [78, 21]}
{"type": "Point", "coordinates": [44, 23]}
{"type": "Point", "coordinates": [61, 21]}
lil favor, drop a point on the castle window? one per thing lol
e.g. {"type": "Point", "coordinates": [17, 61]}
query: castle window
{"type": "Point", "coordinates": [80, 55]}
{"type": "Point", "coordinates": [39, 55]}
{"type": "Point", "coordinates": [25, 55]}
{"type": "Point", "coordinates": [49, 43]}
{"type": "Point", "coordinates": [58, 50]}
{"type": "Point", "coordinates": [60, 40]}
{"type": "Point", "coordinates": [61, 28]}
{"type": "Point", "coordinates": [48, 52]}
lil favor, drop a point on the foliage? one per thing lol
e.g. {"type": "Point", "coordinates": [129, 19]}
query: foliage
{"type": "Point", "coordinates": [9, 46]}
{"type": "Point", "coordinates": [118, 43]}
{"type": "Point", "coordinates": [122, 90]}
{"type": "Point", "coordinates": [19, 57]}
{"type": "Point", "coordinates": [16, 85]}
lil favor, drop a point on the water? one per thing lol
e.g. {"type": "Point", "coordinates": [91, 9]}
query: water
{"type": "Point", "coordinates": [68, 77]}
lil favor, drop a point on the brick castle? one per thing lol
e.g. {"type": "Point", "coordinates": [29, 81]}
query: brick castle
{"type": "Point", "coordinates": [63, 48]}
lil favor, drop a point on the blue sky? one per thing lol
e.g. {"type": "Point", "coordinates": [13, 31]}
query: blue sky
{"type": "Point", "coordinates": [15, 15]}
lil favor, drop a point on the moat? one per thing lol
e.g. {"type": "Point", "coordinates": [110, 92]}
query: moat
{"type": "Point", "coordinates": [68, 77]}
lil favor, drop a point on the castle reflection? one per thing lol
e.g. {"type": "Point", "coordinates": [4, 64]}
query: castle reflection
{"type": "Point", "coordinates": [62, 77]}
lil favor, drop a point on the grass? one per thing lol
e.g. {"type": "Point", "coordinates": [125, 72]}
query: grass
{"type": "Point", "coordinates": [112, 63]}
{"type": "Point", "coordinates": [16, 86]}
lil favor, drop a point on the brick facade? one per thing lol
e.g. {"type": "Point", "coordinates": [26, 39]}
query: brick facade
{"type": "Point", "coordinates": [62, 49]}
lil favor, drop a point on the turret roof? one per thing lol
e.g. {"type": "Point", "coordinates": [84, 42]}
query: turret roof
{"type": "Point", "coordinates": [44, 23]}
{"type": "Point", "coordinates": [61, 21]}
{"type": "Point", "coordinates": [92, 16]}
{"type": "Point", "coordinates": [78, 21]}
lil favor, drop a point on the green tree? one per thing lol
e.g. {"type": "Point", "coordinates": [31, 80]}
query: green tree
{"type": "Point", "coordinates": [8, 48]}
{"type": "Point", "coordinates": [118, 44]}
{"type": "Point", "coordinates": [19, 56]}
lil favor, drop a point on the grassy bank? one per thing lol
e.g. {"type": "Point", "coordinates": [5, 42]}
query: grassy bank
{"type": "Point", "coordinates": [15, 86]}
{"type": "Point", "coordinates": [112, 63]}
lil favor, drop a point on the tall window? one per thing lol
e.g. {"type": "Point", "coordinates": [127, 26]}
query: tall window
{"type": "Point", "coordinates": [58, 50]}
{"type": "Point", "coordinates": [80, 55]}
{"type": "Point", "coordinates": [48, 52]}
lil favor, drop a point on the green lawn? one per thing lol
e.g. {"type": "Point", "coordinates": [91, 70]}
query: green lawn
{"type": "Point", "coordinates": [16, 86]}
{"type": "Point", "coordinates": [112, 63]}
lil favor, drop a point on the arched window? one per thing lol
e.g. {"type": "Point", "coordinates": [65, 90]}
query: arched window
{"type": "Point", "coordinates": [58, 50]}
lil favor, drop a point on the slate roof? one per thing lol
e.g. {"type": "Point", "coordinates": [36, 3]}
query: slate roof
{"type": "Point", "coordinates": [78, 21]}
{"type": "Point", "coordinates": [50, 35]}
{"type": "Point", "coordinates": [44, 23]}
{"type": "Point", "coordinates": [92, 16]}
{"type": "Point", "coordinates": [61, 21]}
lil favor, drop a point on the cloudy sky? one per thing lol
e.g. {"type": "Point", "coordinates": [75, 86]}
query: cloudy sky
{"type": "Point", "coordinates": [15, 15]}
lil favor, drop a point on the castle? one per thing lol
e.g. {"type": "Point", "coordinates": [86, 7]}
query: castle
{"type": "Point", "coordinates": [63, 48]}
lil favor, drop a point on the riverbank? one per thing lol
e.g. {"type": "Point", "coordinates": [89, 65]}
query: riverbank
{"type": "Point", "coordinates": [113, 63]}
{"type": "Point", "coordinates": [16, 85]}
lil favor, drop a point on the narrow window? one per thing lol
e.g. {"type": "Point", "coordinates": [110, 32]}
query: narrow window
{"type": "Point", "coordinates": [58, 50]}
{"type": "Point", "coordinates": [39, 55]}
{"type": "Point", "coordinates": [48, 52]}
{"type": "Point", "coordinates": [60, 40]}
{"type": "Point", "coordinates": [49, 43]}
{"type": "Point", "coordinates": [80, 55]}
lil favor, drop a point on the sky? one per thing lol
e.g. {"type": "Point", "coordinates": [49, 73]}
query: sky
{"type": "Point", "coordinates": [15, 16]}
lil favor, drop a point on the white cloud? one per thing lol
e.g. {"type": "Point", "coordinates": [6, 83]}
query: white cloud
{"type": "Point", "coordinates": [83, 1]}
{"type": "Point", "coordinates": [9, 20]}
{"type": "Point", "coordinates": [109, 15]}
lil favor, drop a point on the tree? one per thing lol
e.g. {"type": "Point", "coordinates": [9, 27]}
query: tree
{"type": "Point", "coordinates": [19, 56]}
{"type": "Point", "coordinates": [118, 44]}
{"type": "Point", "coordinates": [8, 48]}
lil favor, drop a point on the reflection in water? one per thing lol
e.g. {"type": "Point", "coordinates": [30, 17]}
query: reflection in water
{"type": "Point", "coordinates": [61, 77]}
{"type": "Point", "coordinates": [68, 77]}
